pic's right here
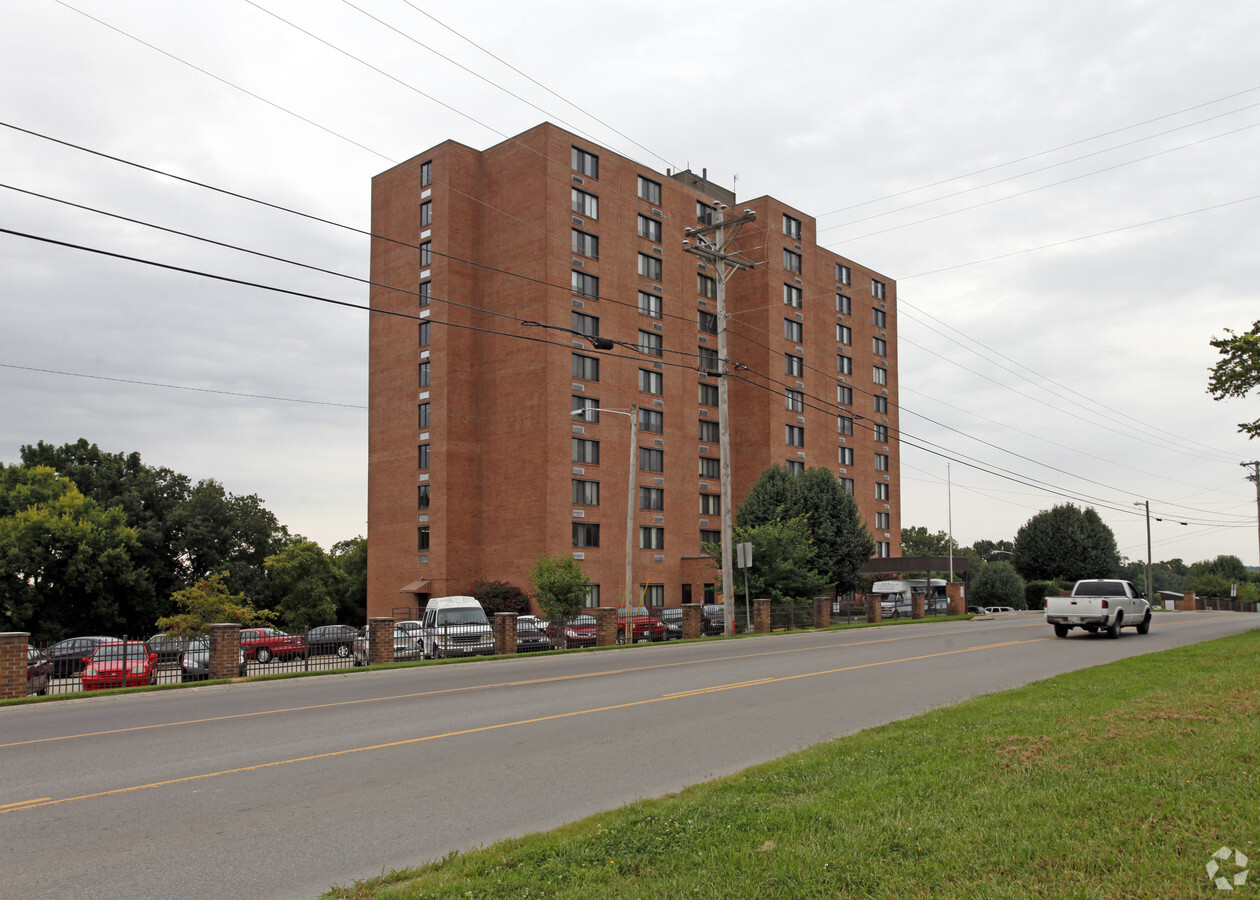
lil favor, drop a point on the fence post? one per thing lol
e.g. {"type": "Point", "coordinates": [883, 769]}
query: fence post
{"type": "Point", "coordinates": [822, 612]}
{"type": "Point", "coordinates": [504, 633]}
{"type": "Point", "coordinates": [691, 616]}
{"type": "Point", "coordinates": [874, 609]}
{"type": "Point", "coordinates": [380, 640]}
{"type": "Point", "coordinates": [605, 625]}
{"type": "Point", "coordinates": [956, 591]}
{"type": "Point", "coordinates": [761, 616]}
{"type": "Point", "coordinates": [13, 664]}
{"type": "Point", "coordinates": [225, 651]}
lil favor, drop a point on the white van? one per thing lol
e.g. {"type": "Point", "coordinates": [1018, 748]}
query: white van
{"type": "Point", "coordinates": [894, 598]}
{"type": "Point", "coordinates": [455, 626]}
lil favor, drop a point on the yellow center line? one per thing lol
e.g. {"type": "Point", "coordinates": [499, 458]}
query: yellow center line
{"type": "Point", "coordinates": [5, 807]}
{"type": "Point", "coordinates": [484, 728]}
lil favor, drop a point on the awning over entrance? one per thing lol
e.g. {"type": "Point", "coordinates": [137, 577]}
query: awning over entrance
{"type": "Point", "coordinates": [416, 587]}
{"type": "Point", "coordinates": [913, 564]}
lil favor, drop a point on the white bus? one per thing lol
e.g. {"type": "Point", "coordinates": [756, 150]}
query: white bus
{"type": "Point", "coordinates": [895, 596]}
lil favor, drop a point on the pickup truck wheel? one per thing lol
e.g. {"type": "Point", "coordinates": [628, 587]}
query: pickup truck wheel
{"type": "Point", "coordinates": [263, 655]}
{"type": "Point", "coordinates": [1145, 625]}
{"type": "Point", "coordinates": [1113, 630]}
{"type": "Point", "coordinates": [1061, 630]}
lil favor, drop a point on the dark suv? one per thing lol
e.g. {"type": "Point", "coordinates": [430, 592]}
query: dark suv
{"type": "Point", "coordinates": [713, 619]}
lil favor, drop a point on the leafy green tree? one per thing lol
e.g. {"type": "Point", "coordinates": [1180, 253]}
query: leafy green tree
{"type": "Point", "coordinates": [1237, 372]}
{"type": "Point", "coordinates": [992, 551]}
{"type": "Point", "coordinates": [998, 584]}
{"type": "Point", "coordinates": [1066, 543]}
{"type": "Point", "coordinates": [208, 602]}
{"type": "Point", "coordinates": [66, 563]}
{"type": "Point", "coordinates": [916, 540]}
{"type": "Point", "coordinates": [499, 596]}
{"type": "Point", "coordinates": [841, 539]}
{"type": "Point", "coordinates": [350, 558]}
{"type": "Point", "coordinates": [1229, 567]}
{"type": "Point", "coordinates": [560, 589]}
{"type": "Point", "coordinates": [784, 557]}
{"type": "Point", "coordinates": [305, 584]}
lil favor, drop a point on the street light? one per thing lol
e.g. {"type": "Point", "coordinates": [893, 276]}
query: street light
{"type": "Point", "coordinates": [1149, 585]}
{"type": "Point", "coordinates": [633, 415]}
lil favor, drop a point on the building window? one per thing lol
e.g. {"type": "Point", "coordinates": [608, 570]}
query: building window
{"type": "Point", "coordinates": [585, 368]}
{"type": "Point", "coordinates": [651, 537]}
{"type": "Point", "coordinates": [881, 462]}
{"type": "Point", "coordinates": [592, 596]}
{"type": "Point", "coordinates": [881, 404]}
{"type": "Point", "coordinates": [585, 451]}
{"type": "Point", "coordinates": [881, 520]}
{"type": "Point", "coordinates": [791, 227]}
{"type": "Point", "coordinates": [879, 346]}
{"type": "Point", "coordinates": [844, 424]}
{"type": "Point", "coordinates": [846, 456]}
{"type": "Point", "coordinates": [585, 493]}
{"type": "Point", "coordinates": [711, 538]}
{"type": "Point", "coordinates": [652, 421]}
{"type": "Point", "coordinates": [794, 435]}
{"type": "Point", "coordinates": [880, 375]}
{"type": "Point", "coordinates": [710, 433]}
{"type": "Point", "coordinates": [792, 261]}
{"type": "Point", "coordinates": [586, 163]}
{"type": "Point", "coordinates": [652, 498]}
{"type": "Point", "coordinates": [426, 213]}
{"type": "Point", "coordinates": [704, 213]}
{"type": "Point", "coordinates": [795, 400]}
{"type": "Point", "coordinates": [653, 594]}
{"type": "Point", "coordinates": [422, 497]}
{"type": "Point", "coordinates": [879, 317]}
{"type": "Point", "coordinates": [423, 414]}
{"type": "Point", "coordinates": [590, 404]}
{"type": "Point", "coordinates": [844, 334]}
{"type": "Point", "coordinates": [650, 228]}
{"type": "Point", "coordinates": [793, 365]}
{"type": "Point", "coordinates": [844, 395]}
{"type": "Point", "coordinates": [426, 173]}
{"type": "Point", "coordinates": [423, 293]}
{"type": "Point", "coordinates": [649, 304]}
{"type": "Point", "coordinates": [881, 490]}
{"type": "Point", "coordinates": [843, 274]}
{"type": "Point", "coordinates": [422, 538]}
{"type": "Point", "coordinates": [846, 484]}
{"type": "Point", "coordinates": [791, 296]}
{"type": "Point", "coordinates": [650, 343]}
{"type": "Point", "coordinates": [649, 267]}
{"type": "Point", "coordinates": [651, 382]}
{"type": "Point", "coordinates": [708, 395]}
{"type": "Point", "coordinates": [585, 204]}
{"type": "Point", "coordinates": [584, 285]}
{"type": "Point", "coordinates": [883, 549]}
{"type": "Point", "coordinates": [881, 433]}
{"type": "Point", "coordinates": [585, 244]}
{"type": "Point", "coordinates": [424, 333]}
{"type": "Point", "coordinates": [877, 289]}
{"type": "Point", "coordinates": [706, 286]}
{"type": "Point", "coordinates": [710, 504]}
{"type": "Point", "coordinates": [649, 190]}
{"type": "Point", "coordinates": [423, 460]}
{"type": "Point", "coordinates": [708, 359]}
{"type": "Point", "coordinates": [584, 324]}
{"type": "Point", "coordinates": [795, 467]}
{"type": "Point", "coordinates": [424, 374]}
{"type": "Point", "coordinates": [426, 254]}
{"type": "Point", "coordinates": [706, 321]}
{"type": "Point", "coordinates": [844, 304]}
{"type": "Point", "coordinates": [585, 534]}
{"type": "Point", "coordinates": [844, 364]}
{"type": "Point", "coordinates": [651, 460]}
{"type": "Point", "coordinates": [710, 467]}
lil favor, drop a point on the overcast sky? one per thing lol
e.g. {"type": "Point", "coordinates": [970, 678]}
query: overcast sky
{"type": "Point", "coordinates": [1066, 192]}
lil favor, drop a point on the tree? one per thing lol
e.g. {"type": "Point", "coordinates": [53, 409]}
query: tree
{"type": "Point", "coordinates": [1238, 370]}
{"type": "Point", "coordinates": [840, 537]}
{"type": "Point", "coordinates": [1066, 544]}
{"type": "Point", "coordinates": [350, 558]}
{"type": "Point", "coordinates": [560, 589]}
{"type": "Point", "coordinates": [998, 584]}
{"type": "Point", "coordinates": [208, 602]}
{"type": "Point", "coordinates": [991, 551]}
{"type": "Point", "coordinates": [784, 557]}
{"type": "Point", "coordinates": [499, 596]}
{"type": "Point", "coordinates": [306, 585]}
{"type": "Point", "coordinates": [918, 541]}
{"type": "Point", "coordinates": [1227, 566]}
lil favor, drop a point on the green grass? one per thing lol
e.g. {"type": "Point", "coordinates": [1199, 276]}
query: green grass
{"type": "Point", "coordinates": [1113, 782]}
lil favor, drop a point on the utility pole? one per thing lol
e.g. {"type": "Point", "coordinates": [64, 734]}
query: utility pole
{"type": "Point", "coordinates": [1254, 478]}
{"type": "Point", "coordinates": [712, 243]}
{"type": "Point", "coordinates": [1149, 583]}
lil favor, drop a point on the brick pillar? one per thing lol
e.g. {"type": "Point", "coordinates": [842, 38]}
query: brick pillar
{"type": "Point", "coordinates": [605, 626]}
{"type": "Point", "coordinates": [380, 640]}
{"type": "Point", "coordinates": [504, 633]}
{"type": "Point", "coordinates": [956, 605]}
{"type": "Point", "coordinates": [1188, 601]}
{"type": "Point", "coordinates": [822, 611]}
{"type": "Point", "coordinates": [13, 664]}
{"type": "Point", "coordinates": [225, 651]}
{"type": "Point", "coordinates": [761, 616]}
{"type": "Point", "coordinates": [874, 611]}
{"type": "Point", "coordinates": [691, 620]}
{"type": "Point", "coordinates": [916, 605]}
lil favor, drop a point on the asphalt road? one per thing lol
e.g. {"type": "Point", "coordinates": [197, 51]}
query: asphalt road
{"type": "Point", "coordinates": [282, 789]}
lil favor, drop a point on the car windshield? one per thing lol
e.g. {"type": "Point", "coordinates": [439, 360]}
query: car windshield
{"type": "Point", "coordinates": [583, 620]}
{"type": "Point", "coordinates": [467, 615]}
{"type": "Point", "coordinates": [117, 651]}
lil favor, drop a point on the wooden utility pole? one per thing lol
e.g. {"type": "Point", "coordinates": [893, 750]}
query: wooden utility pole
{"type": "Point", "coordinates": [712, 243]}
{"type": "Point", "coordinates": [1254, 478]}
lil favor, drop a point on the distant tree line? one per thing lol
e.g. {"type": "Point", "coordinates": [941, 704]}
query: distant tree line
{"type": "Point", "coordinates": [93, 542]}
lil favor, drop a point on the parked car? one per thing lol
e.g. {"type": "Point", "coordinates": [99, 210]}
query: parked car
{"type": "Point", "coordinates": [1000, 609]}
{"type": "Point", "coordinates": [117, 664]}
{"type": "Point", "coordinates": [713, 619]}
{"type": "Point", "coordinates": [194, 662]}
{"type": "Point", "coordinates": [531, 635]}
{"type": "Point", "coordinates": [338, 639]}
{"type": "Point", "coordinates": [643, 625]}
{"type": "Point", "coordinates": [68, 657]}
{"type": "Point", "coordinates": [38, 672]}
{"type": "Point", "coordinates": [407, 645]}
{"type": "Point", "coordinates": [265, 644]}
{"type": "Point", "coordinates": [671, 619]}
{"type": "Point", "coordinates": [169, 647]}
{"type": "Point", "coordinates": [455, 626]}
{"type": "Point", "coordinates": [977, 610]}
{"type": "Point", "coordinates": [579, 632]}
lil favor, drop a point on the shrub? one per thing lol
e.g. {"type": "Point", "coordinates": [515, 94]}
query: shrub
{"type": "Point", "coordinates": [499, 596]}
{"type": "Point", "coordinates": [1035, 593]}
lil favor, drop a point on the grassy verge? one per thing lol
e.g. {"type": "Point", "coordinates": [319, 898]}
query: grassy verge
{"type": "Point", "coordinates": [1113, 782]}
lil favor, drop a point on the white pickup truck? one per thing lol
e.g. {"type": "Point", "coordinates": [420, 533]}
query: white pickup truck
{"type": "Point", "coordinates": [1100, 604]}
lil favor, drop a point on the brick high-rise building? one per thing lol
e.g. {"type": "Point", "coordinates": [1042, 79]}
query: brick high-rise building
{"type": "Point", "coordinates": [476, 466]}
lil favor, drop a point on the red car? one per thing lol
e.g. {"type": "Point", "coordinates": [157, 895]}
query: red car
{"type": "Point", "coordinates": [117, 664]}
{"type": "Point", "coordinates": [579, 632]}
{"type": "Point", "coordinates": [644, 625]}
{"type": "Point", "coordinates": [266, 644]}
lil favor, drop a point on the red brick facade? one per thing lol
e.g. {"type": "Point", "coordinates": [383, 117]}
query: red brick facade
{"type": "Point", "coordinates": [498, 465]}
